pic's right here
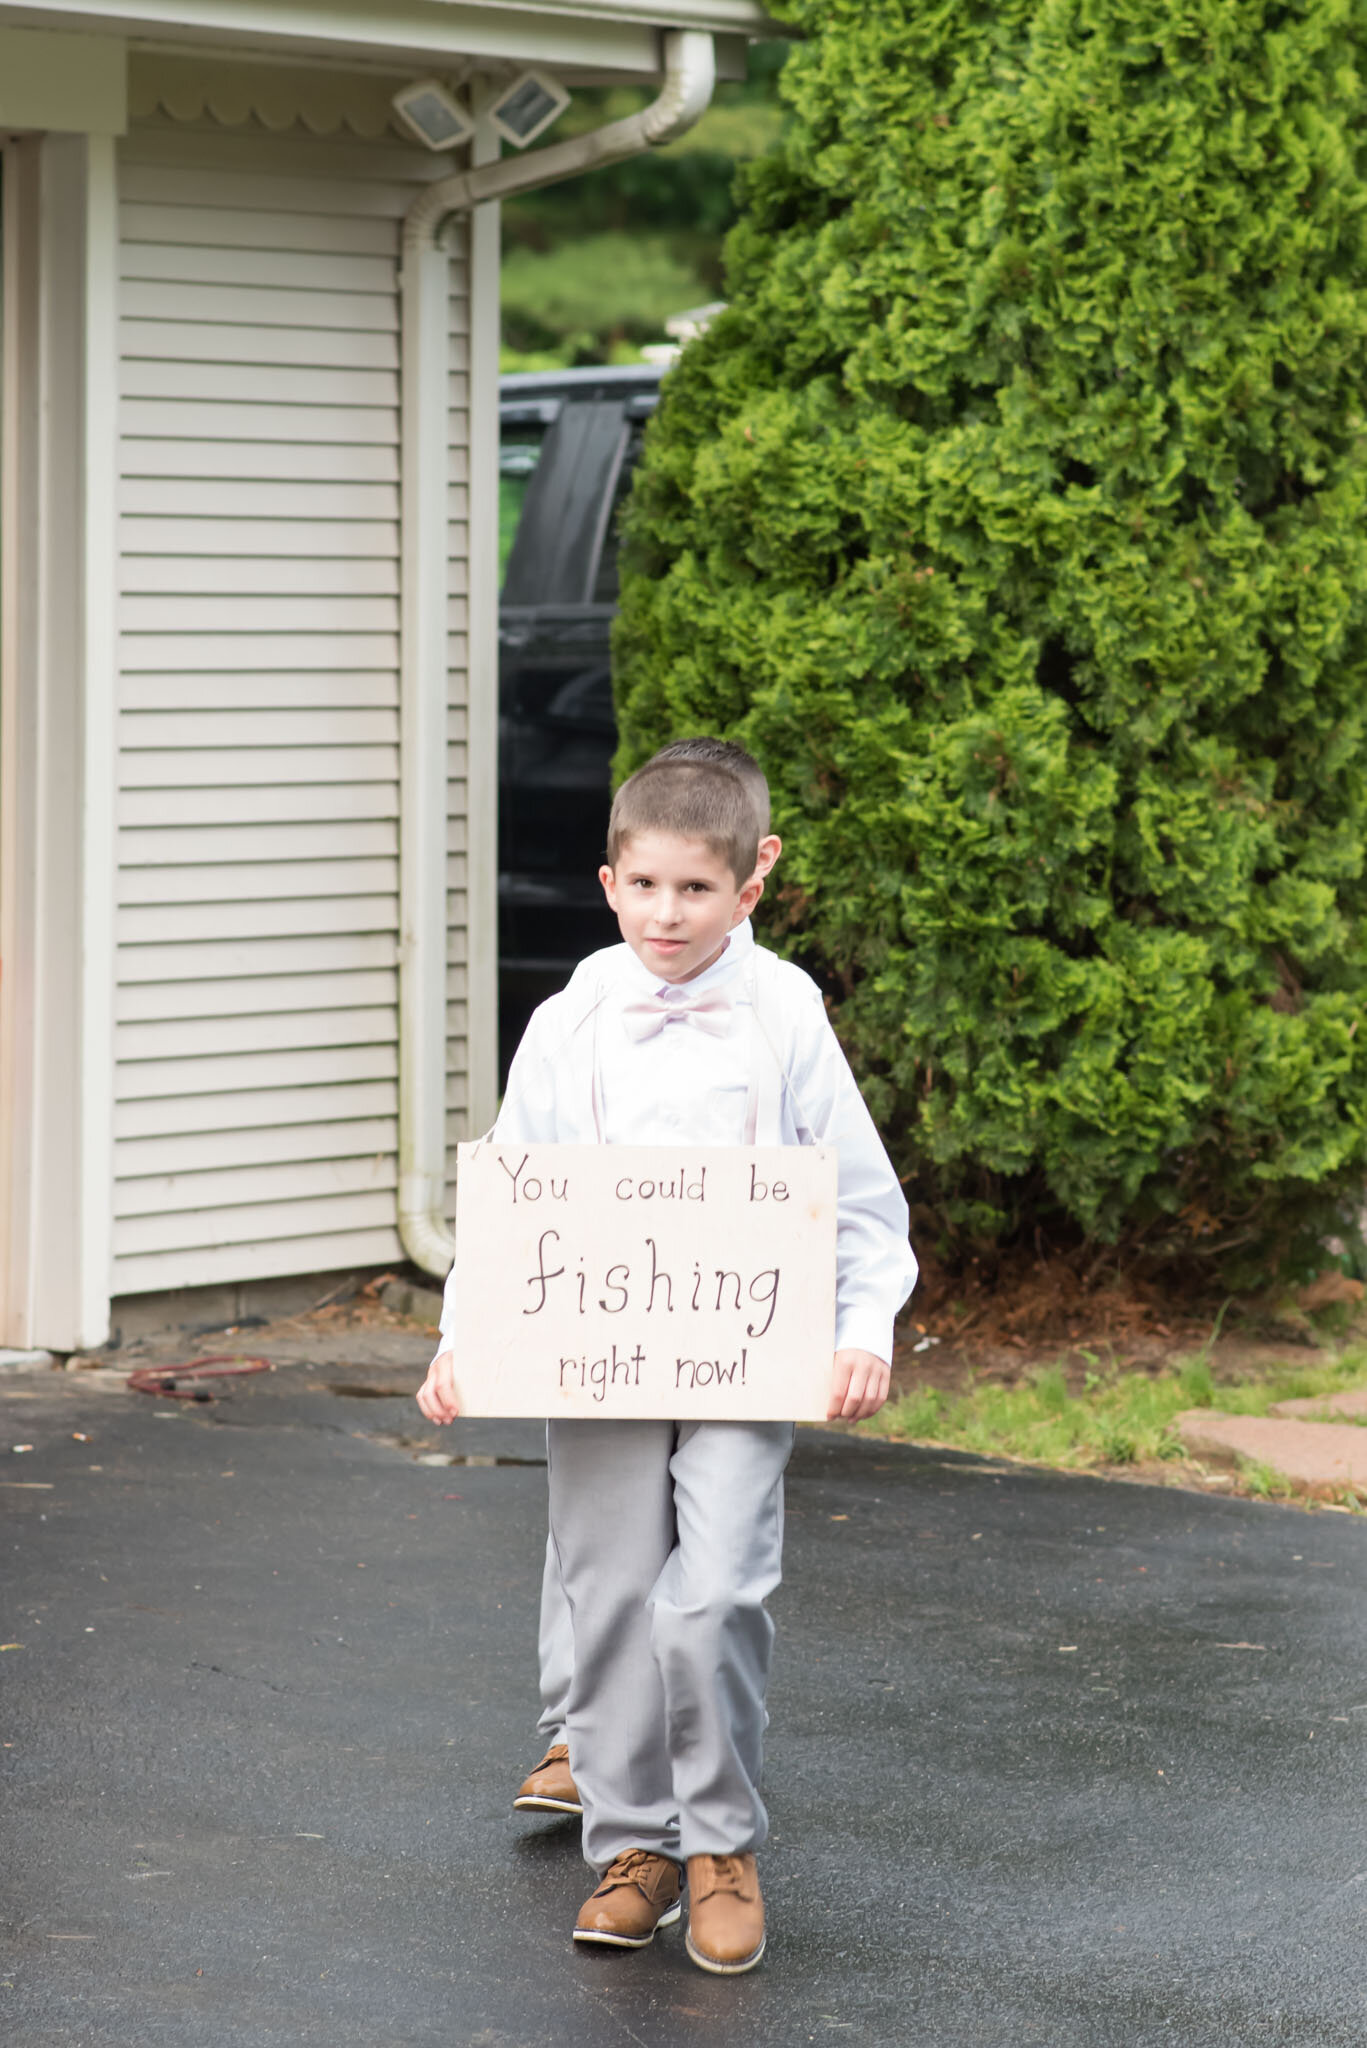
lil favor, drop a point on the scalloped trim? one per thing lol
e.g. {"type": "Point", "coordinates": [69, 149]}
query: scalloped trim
{"type": "Point", "coordinates": [276, 97]}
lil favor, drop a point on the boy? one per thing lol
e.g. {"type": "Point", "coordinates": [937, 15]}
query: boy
{"type": "Point", "coordinates": [669, 1535]}
{"type": "Point", "coordinates": [549, 1787]}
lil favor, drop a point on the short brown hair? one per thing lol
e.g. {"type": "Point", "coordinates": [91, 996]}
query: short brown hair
{"type": "Point", "coordinates": [692, 800]}
{"type": "Point", "coordinates": [725, 754]}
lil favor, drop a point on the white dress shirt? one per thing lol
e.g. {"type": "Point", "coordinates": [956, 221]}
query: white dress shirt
{"type": "Point", "coordinates": [581, 1076]}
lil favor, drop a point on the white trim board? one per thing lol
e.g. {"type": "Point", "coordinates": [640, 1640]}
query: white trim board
{"type": "Point", "coordinates": [57, 797]}
{"type": "Point", "coordinates": [604, 34]}
{"type": "Point", "coordinates": [73, 83]}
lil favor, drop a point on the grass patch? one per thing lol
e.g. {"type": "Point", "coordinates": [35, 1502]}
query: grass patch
{"type": "Point", "coordinates": [1263, 1482]}
{"type": "Point", "coordinates": [1113, 1418]}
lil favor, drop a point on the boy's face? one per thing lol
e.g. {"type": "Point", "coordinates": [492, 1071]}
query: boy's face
{"type": "Point", "coordinates": [675, 901]}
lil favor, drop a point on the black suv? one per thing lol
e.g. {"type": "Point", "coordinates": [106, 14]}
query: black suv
{"type": "Point", "coordinates": [568, 442]}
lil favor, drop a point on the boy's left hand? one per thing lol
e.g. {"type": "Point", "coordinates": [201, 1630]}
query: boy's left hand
{"type": "Point", "coordinates": [859, 1386]}
{"type": "Point", "coordinates": [437, 1395]}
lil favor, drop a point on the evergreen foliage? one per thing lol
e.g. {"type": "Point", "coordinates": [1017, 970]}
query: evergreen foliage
{"type": "Point", "coordinates": [1014, 516]}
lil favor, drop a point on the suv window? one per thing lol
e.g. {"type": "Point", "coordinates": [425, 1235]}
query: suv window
{"type": "Point", "coordinates": [518, 454]}
{"type": "Point", "coordinates": [605, 575]}
{"type": "Point", "coordinates": [569, 493]}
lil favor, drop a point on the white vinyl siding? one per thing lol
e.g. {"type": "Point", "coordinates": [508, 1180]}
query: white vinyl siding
{"type": "Point", "coordinates": [257, 1031]}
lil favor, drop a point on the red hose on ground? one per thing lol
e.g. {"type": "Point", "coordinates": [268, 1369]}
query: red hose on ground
{"type": "Point", "coordinates": [161, 1379]}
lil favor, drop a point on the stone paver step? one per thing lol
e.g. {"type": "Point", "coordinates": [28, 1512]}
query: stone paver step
{"type": "Point", "coordinates": [1313, 1453]}
{"type": "Point", "coordinates": [1352, 1402]}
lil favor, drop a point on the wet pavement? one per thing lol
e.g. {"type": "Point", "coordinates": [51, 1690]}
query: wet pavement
{"type": "Point", "coordinates": [1052, 1761]}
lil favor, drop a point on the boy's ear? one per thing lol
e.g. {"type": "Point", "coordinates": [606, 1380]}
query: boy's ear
{"type": "Point", "coordinates": [609, 882]}
{"type": "Point", "coordinates": [749, 897]}
{"type": "Point", "coordinates": [770, 847]}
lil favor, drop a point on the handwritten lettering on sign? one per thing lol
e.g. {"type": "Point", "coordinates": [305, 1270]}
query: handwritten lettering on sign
{"type": "Point", "coordinates": [628, 1280]}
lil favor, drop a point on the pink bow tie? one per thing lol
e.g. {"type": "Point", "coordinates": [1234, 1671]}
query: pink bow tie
{"type": "Point", "coordinates": [651, 1013]}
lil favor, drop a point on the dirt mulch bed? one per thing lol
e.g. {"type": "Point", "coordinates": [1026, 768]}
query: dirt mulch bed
{"type": "Point", "coordinates": [960, 1330]}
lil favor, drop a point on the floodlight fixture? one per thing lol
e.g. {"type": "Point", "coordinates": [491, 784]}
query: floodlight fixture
{"type": "Point", "coordinates": [527, 107]}
{"type": "Point", "coordinates": [433, 114]}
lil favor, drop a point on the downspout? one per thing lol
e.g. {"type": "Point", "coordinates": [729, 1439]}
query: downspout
{"type": "Point", "coordinates": [689, 76]}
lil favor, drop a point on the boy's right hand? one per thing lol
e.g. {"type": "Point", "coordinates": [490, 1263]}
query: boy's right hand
{"type": "Point", "coordinates": [437, 1394]}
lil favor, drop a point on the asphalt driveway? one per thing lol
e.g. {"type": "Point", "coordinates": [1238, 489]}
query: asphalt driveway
{"type": "Point", "coordinates": [1052, 1761]}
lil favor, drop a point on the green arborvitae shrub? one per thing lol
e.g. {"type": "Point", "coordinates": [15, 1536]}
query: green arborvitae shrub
{"type": "Point", "coordinates": [1016, 517]}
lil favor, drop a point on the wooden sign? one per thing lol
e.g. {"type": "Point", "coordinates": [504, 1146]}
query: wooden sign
{"type": "Point", "coordinates": [623, 1280]}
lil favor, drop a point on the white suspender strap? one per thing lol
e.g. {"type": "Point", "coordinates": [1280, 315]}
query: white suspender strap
{"type": "Point", "coordinates": [768, 1077]}
{"type": "Point", "coordinates": [768, 1010]}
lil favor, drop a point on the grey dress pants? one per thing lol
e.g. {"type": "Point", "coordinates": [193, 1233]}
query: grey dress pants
{"type": "Point", "coordinates": [555, 1650]}
{"type": "Point", "coordinates": [669, 1539]}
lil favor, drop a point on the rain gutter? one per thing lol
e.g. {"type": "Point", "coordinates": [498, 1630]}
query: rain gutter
{"type": "Point", "coordinates": [689, 77]}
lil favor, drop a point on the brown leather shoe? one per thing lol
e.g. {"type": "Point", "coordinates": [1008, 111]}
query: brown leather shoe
{"type": "Point", "coordinates": [725, 1914]}
{"type": "Point", "coordinates": [639, 1892]}
{"type": "Point", "coordinates": [550, 1788]}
